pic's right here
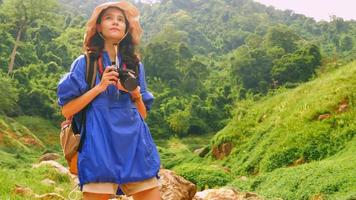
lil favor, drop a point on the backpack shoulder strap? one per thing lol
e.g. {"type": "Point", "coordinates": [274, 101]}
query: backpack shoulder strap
{"type": "Point", "coordinates": [91, 69]}
{"type": "Point", "coordinates": [90, 76]}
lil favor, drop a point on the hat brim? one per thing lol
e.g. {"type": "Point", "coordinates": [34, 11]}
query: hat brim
{"type": "Point", "coordinates": [131, 13]}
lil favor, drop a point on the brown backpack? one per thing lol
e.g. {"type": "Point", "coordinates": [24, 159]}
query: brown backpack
{"type": "Point", "coordinates": [70, 138]}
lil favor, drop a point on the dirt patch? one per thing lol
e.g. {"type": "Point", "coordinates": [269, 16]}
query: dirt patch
{"type": "Point", "coordinates": [343, 106]}
{"type": "Point", "coordinates": [29, 141]}
{"type": "Point", "coordinates": [222, 150]}
{"type": "Point", "coordinates": [300, 161]}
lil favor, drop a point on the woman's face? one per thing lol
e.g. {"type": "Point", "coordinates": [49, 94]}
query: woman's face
{"type": "Point", "coordinates": [112, 24]}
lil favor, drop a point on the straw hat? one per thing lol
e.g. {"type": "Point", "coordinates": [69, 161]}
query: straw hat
{"type": "Point", "coordinates": [132, 15]}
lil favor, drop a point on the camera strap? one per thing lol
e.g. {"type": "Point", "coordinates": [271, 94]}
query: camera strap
{"type": "Point", "coordinates": [101, 63]}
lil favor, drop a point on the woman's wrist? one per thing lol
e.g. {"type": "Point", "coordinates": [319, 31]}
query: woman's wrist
{"type": "Point", "coordinates": [136, 94]}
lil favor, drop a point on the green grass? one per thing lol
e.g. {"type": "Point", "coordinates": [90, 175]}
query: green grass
{"type": "Point", "coordinates": [332, 178]}
{"type": "Point", "coordinates": [44, 129]}
{"type": "Point", "coordinates": [16, 169]}
{"type": "Point", "coordinates": [271, 134]}
{"type": "Point", "coordinates": [18, 155]}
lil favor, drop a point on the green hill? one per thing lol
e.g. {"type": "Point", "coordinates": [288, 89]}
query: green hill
{"type": "Point", "coordinates": [296, 143]}
{"type": "Point", "coordinates": [23, 140]}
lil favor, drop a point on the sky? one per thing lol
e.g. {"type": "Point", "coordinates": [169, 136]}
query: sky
{"type": "Point", "coordinates": [318, 9]}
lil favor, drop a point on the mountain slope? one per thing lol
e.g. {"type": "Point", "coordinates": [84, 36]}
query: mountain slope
{"type": "Point", "coordinates": [297, 142]}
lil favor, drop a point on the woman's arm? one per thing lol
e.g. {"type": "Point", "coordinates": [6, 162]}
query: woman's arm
{"type": "Point", "coordinates": [77, 104]}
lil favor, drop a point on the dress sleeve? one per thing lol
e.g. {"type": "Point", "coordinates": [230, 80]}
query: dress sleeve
{"type": "Point", "coordinates": [147, 96]}
{"type": "Point", "coordinates": [73, 83]}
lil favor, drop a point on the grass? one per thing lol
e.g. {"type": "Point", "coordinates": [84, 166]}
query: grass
{"type": "Point", "coordinates": [286, 151]}
{"type": "Point", "coordinates": [331, 178]}
{"type": "Point", "coordinates": [16, 169]}
{"type": "Point", "coordinates": [44, 129]}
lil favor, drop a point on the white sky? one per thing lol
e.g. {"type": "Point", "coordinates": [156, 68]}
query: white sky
{"type": "Point", "coordinates": [318, 9]}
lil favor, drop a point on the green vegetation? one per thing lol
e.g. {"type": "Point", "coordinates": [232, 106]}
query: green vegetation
{"type": "Point", "coordinates": [277, 85]}
{"type": "Point", "coordinates": [279, 132]}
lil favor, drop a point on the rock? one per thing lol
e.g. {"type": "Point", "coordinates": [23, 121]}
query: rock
{"type": "Point", "coordinates": [198, 151]}
{"type": "Point", "coordinates": [324, 116]}
{"type": "Point", "coordinates": [49, 196]}
{"type": "Point", "coordinates": [58, 190]}
{"type": "Point", "coordinates": [60, 169]}
{"type": "Point", "coordinates": [243, 178]}
{"type": "Point", "coordinates": [48, 182]}
{"type": "Point", "coordinates": [222, 150]}
{"type": "Point", "coordinates": [225, 194]}
{"type": "Point", "coordinates": [174, 187]}
{"type": "Point", "coordinates": [248, 196]}
{"type": "Point", "coordinates": [317, 197]}
{"type": "Point", "coordinates": [216, 194]}
{"type": "Point", "coordinates": [49, 156]}
{"type": "Point", "coordinates": [23, 191]}
{"type": "Point", "coordinates": [202, 151]}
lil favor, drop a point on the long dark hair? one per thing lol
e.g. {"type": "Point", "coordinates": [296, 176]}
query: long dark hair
{"type": "Point", "coordinates": [127, 49]}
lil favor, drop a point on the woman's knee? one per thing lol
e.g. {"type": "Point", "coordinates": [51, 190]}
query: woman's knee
{"type": "Point", "coordinates": [95, 196]}
{"type": "Point", "coordinates": [152, 194]}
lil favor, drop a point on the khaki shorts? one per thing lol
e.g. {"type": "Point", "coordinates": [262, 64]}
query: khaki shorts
{"type": "Point", "coordinates": [128, 188]}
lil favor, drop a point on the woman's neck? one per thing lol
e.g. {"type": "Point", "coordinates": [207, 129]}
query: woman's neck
{"type": "Point", "coordinates": [109, 47]}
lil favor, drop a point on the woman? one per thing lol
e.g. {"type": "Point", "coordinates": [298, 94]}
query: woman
{"type": "Point", "coordinates": [118, 153]}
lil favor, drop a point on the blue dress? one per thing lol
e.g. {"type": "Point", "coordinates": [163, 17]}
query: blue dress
{"type": "Point", "coordinates": [118, 146]}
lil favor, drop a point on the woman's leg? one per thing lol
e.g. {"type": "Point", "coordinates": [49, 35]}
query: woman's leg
{"type": "Point", "coordinates": [151, 194]}
{"type": "Point", "coordinates": [95, 196]}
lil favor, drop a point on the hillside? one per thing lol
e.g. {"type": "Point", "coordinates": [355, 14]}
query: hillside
{"type": "Point", "coordinates": [246, 95]}
{"type": "Point", "coordinates": [296, 143]}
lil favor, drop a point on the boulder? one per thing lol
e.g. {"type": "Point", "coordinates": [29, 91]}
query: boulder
{"type": "Point", "coordinates": [49, 196]}
{"type": "Point", "coordinates": [60, 169]}
{"type": "Point", "coordinates": [202, 151]}
{"type": "Point", "coordinates": [225, 194]}
{"type": "Point", "coordinates": [49, 156]}
{"type": "Point", "coordinates": [324, 116]}
{"type": "Point", "coordinates": [48, 182]}
{"type": "Point", "coordinates": [22, 191]}
{"type": "Point", "coordinates": [172, 187]}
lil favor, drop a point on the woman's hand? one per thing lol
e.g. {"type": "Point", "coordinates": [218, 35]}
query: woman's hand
{"type": "Point", "coordinates": [110, 77]}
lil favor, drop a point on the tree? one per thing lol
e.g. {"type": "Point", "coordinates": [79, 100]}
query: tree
{"type": "Point", "coordinates": [283, 37]}
{"type": "Point", "coordinates": [297, 67]}
{"type": "Point", "coordinates": [9, 95]}
{"type": "Point", "coordinates": [346, 43]}
{"type": "Point", "coordinates": [23, 14]}
{"type": "Point", "coordinates": [251, 68]}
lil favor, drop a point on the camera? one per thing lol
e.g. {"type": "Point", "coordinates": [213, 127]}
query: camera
{"type": "Point", "coordinates": [126, 80]}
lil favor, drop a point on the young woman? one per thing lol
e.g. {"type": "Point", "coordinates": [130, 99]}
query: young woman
{"type": "Point", "coordinates": [118, 153]}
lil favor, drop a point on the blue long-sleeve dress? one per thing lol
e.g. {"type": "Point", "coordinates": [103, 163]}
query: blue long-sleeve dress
{"type": "Point", "coordinates": [118, 147]}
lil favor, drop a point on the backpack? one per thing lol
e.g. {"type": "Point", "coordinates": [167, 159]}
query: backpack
{"type": "Point", "coordinates": [70, 138]}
